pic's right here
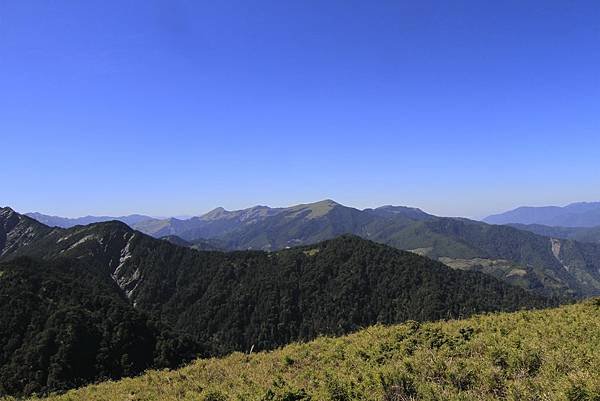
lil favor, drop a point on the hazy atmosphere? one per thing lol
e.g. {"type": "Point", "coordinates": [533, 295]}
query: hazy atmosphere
{"type": "Point", "coordinates": [172, 108]}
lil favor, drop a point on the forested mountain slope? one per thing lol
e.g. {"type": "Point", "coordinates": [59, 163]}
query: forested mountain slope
{"type": "Point", "coordinates": [64, 323]}
{"type": "Point", "coordinates": [518, 257]}
{"type": "Point", "coordinates": [546, 265]}
{"type": "Point", "coordinates": [236, 300]}
{"type": "Point", "coordinates": [232, 301]}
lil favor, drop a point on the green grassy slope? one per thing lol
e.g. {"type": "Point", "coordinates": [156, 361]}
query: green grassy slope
{"type": "Point", "coordinates": [532, 355]}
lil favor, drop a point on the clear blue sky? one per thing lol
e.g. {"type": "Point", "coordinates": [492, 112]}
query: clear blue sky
{"type": "Point", "coordinates": [175, 107]}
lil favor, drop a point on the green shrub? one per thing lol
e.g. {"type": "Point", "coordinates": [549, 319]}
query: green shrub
{"type": "Point", "coordinates": [338, 391]}
{"type": "Point", "coordinates": [462, 377]}
{"type": "Point", "coordinates": [399, 387]}
{"type": "Point", "coordinates": [281, 391]}
{"type": "Point", "coordinates": [531, 362]}
{"type": "Point", "coordinates": [466, 333]}
{"type": "Point", "coordinates": [286, 395]}
{"type": "Point", "coordinates": [500, 358]}
{"type": "Point", "coordinates": [214, 396]}
{"type": "Point", "coordinates": [577, 392]}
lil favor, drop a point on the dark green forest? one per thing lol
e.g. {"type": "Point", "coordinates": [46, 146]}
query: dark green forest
{"type": "Point", "coordinates": [64, 324]}
{"type": "Point", "coordinates": [242, 299]}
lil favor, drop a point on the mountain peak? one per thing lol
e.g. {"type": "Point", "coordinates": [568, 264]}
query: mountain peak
{"type": "Point", "coordinates": [583, 206]}
{"type": "Point", "coordinates": [317, 209]}
{"type": "Point", "coordinates": [109, 224]}
{"type": "Point", "coordinates": [406, 211]}
{"type": "Point", "coordinates": [216, 213]}
{"type": "Point", "coordinates": [6, 211]}
{"type": "Point", "coordinates": [400, 209]}
{"type": "Point", "coordinates": [250, 213]}
{"type": "Point", "coordinates": [328, 202]}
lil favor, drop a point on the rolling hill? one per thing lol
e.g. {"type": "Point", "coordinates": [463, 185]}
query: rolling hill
{"type": "Point", "coordinates": [533, 355]}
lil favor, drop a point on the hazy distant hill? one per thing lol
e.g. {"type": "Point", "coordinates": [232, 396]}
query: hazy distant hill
{"type": "Point", "coordinates": [224, 301]}
{"type": "Point", "coordinates": [582, 234]}
{"type": "Point", "coordinates": [64, 222]}
{"type": "Point", "coordinates": [210, 225]}
{"type": "Point", "coordinates": [582, 214]}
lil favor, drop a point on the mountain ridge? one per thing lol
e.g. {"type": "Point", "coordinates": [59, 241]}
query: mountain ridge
{"type": "Point", "coordinates": [578, 214]}
{"type": "Point", "coordinates": [460, 243]}
{"type": "Point", "coordinates": [66, 222]}
{"type": "Point", "coordinates": [580, 234]}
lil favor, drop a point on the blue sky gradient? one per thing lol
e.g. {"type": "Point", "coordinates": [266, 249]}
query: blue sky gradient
{"type": "Point", "coordinates": [175, 107]}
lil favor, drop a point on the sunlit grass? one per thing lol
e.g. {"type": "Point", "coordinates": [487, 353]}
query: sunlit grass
{"type": "Point", "coordinates": [550, 354]}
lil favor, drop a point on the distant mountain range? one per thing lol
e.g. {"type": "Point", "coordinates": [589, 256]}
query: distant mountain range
{"type": "Point", "coordinates": [582, 214]}
{"type": "Point", "coordinates": [65, 222]}
{"type": "Point", "coordinates": [104, 300]}
{"type": "Point", "coordinates": [581, 234]}
{"type": "Point", "coordinates": [557, 265]}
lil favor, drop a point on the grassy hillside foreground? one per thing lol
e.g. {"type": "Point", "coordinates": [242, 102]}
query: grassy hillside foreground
{"type": "Point", "coordinates": [550, 354]}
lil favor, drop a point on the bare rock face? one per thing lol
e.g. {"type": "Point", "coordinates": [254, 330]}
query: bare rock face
{"type": "Point", "coordinates": [17, 231]}
{"type": "Point", "coordinates": [108, 246]}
